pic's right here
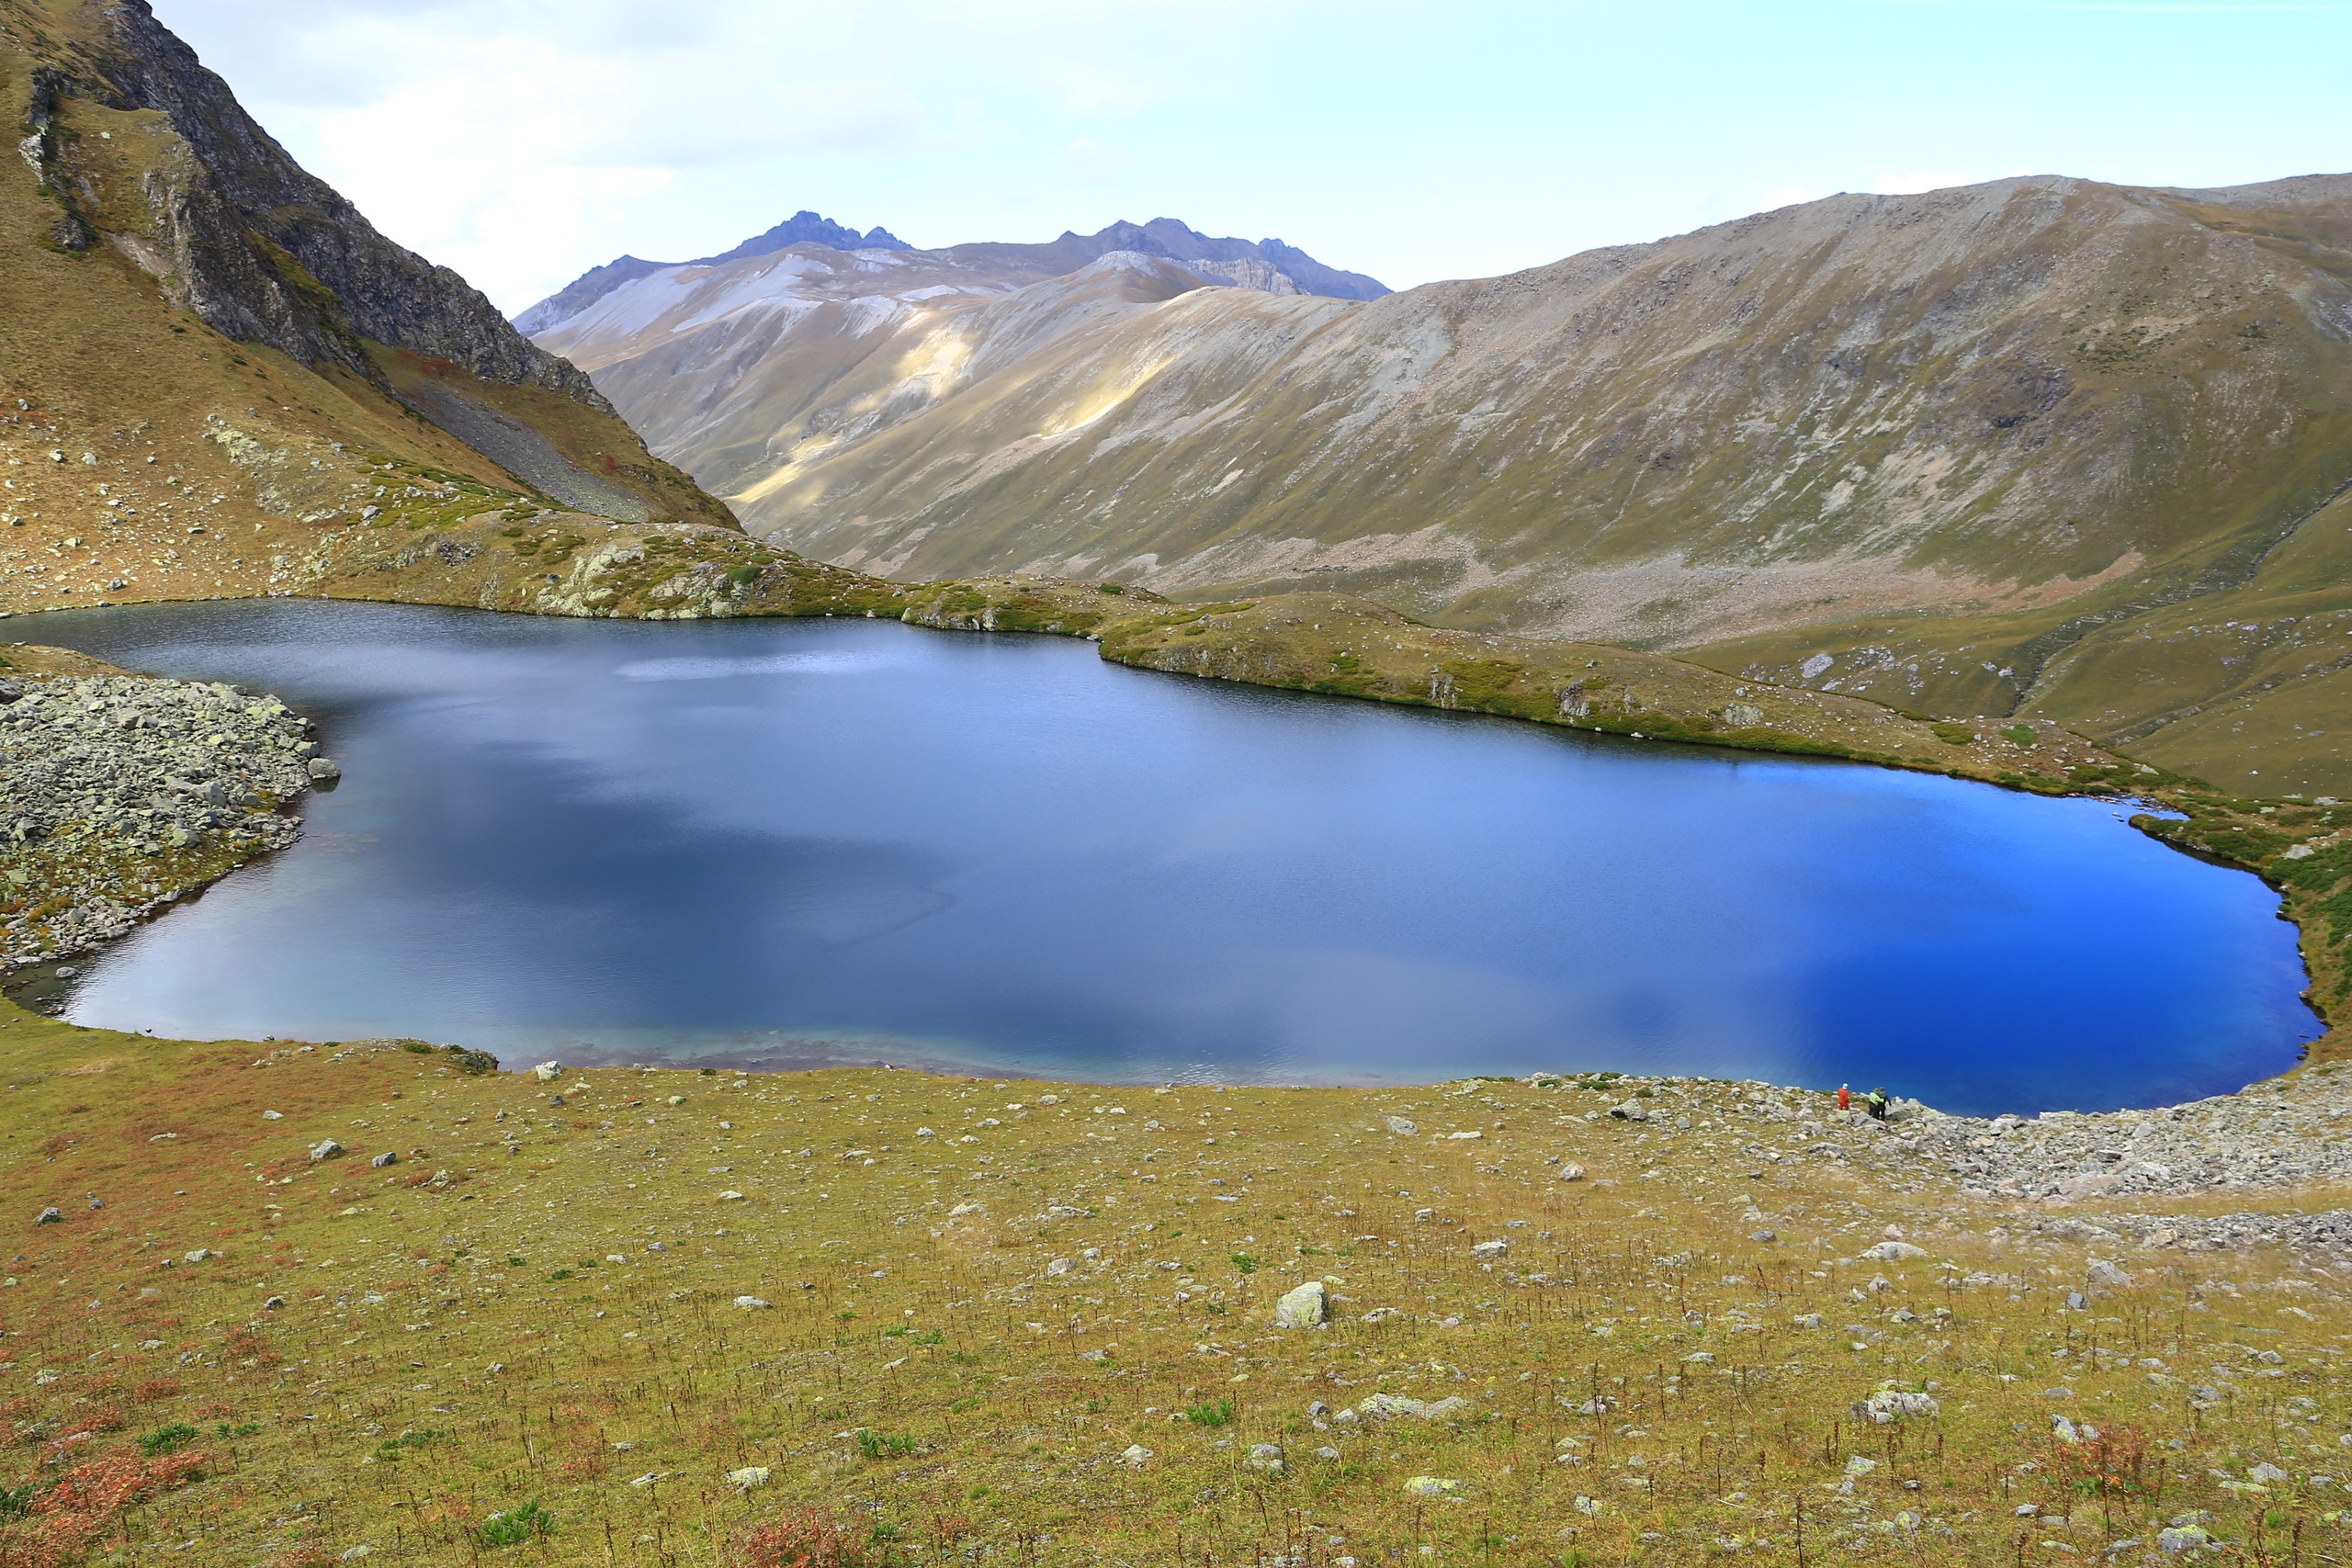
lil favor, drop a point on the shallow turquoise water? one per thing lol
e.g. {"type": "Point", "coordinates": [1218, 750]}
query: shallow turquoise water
{"type": "Point", "coordinates": [783, 842]}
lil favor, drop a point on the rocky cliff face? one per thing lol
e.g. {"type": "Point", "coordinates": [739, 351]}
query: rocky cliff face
{"type": "Point", "coordinates": [1960, 450]}
{"type": "Point", "coordinates": [257, 247]}
{"type": "Point", "coordinates": [207, 352]}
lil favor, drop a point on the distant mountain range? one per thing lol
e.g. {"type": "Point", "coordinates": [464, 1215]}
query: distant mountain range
{"type": "Point", "coordinates": [1267, 265]}
{"type": "Point", "coordinates": [2041, 445]}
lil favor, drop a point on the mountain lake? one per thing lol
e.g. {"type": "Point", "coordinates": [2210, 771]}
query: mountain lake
{"type": "Point", "coordinates": [791, 843]}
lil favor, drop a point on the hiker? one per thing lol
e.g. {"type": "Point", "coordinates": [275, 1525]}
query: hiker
{"type": "Point", "coordinates": [1877, 1104]}
{"type": "Point", "coordinates": [1845, 1098]}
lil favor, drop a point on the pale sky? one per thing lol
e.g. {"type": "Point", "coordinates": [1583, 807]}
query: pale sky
{"type": "Point", "coordinates": [523, 141]}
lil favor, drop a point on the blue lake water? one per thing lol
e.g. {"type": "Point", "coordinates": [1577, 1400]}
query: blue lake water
{"type": "Point", "coordinates": [783, 844]}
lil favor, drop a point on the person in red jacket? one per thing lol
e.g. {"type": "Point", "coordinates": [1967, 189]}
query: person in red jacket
{"type": "Point", "coordinates": [1844, 1098]}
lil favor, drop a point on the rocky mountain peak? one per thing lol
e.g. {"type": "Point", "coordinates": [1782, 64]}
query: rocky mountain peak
{"type": "Point", "coordinates": [1284, 269]}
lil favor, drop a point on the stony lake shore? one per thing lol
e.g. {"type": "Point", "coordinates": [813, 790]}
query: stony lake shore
{"type": "Point", "coordinates": [120, 794]}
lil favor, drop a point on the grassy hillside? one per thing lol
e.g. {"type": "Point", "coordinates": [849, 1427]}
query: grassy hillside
{"type": "Point", "coordinates": [2027, 446]}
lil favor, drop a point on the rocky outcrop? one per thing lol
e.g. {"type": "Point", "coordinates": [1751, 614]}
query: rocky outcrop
{"type": "Point", "coordinates": [807, 227]}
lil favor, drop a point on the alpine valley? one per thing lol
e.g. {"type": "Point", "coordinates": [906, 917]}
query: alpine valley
{"type": "Point", "coordinates": [2040, 484]}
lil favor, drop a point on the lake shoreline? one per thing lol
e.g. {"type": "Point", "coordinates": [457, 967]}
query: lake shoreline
{"type": "Point", "coordinates": [1733, 741]}
{"type": "Point", "coordinates": [1338, 645]}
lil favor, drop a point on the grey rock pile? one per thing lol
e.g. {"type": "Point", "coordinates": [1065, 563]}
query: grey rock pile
{"type": "Point", "coordinates": [2288, 1131]}
{"type": "Point", "coordinates": [117, 793]}
{"type": "Point", "coordinates": [2283, 1133]}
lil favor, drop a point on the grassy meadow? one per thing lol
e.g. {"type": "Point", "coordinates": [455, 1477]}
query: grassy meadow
{"type": "Point", "coordinates": [879, 1317]}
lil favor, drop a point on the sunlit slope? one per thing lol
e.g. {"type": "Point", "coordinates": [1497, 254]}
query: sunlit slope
{"type": "Point", "coordinates": [1957, 426]}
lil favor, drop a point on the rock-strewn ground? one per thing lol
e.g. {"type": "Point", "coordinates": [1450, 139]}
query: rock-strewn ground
{"type": "Point", "coordinates": [120, 792]}
{"type": "Point", "coordinates": [2289, 1132]}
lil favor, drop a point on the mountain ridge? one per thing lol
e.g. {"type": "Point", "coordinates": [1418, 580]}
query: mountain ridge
{"type": "Point", "coordinates": [1265, 264]}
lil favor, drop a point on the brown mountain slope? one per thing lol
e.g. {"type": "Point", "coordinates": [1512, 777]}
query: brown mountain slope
{"type": "Point", "coordinates": [1945, 448]}
{"type": "Point", "coordinates": [206, 355]}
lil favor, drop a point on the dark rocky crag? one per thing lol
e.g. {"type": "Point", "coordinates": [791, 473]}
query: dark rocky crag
{"type": "Point", "coordinates": [261, 250]}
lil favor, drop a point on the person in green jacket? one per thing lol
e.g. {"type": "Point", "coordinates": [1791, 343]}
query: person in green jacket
{"type": "Point", "coordinates": [1877, 1104]}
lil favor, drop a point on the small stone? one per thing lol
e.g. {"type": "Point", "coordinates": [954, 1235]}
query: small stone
{"type": "Point", "coordinates": [200, 1254]}
{"type": "Point", "coordinates": [1264, 1456]}
{"type": "Point", "coordinates": [748, 1478]}
{"type": "Point", "coordinates": [1764, 1235]}
{"type": "Point", "coordinates": [731, 1196]}
{"type": "Point", "coordinates": [326, 1148]}
{"type": "Point", "coordinates": [751, 1303]}
{"type": "Point", "coordinates": [1632, 1111]}
{"type": "Point", "coordinates": [272, 1304]}
{"type": "Point", "coordinates": [273, 1116]}
{"type": "Point", "coordinates": [1301, 1307]}
{"type": "Point", "coordinates": [1893, 1251]}
{"type": "Point", "coordinates": [547, 1072]}
{"type": "Point", "coordinates": [1382, 1314]}
{"type": "Point", "coordinates": [2107, 1276]}
{"type": "Point", "coordinates": [1380, 1406]}
{"type": "Point", "coordinates": [53, 1215]}
{"type": "Point", "coordinates": [1402, 1126]}
{"type": "Point", "coordinates": [1889, 1406]}
{"type": "Point", "coordinates": [1134, 1455]}
{"type": "Point", "coordinates": [1431, 1486]}
{"type": "Point", "coordinates": [381, 1160]}
{"type": "Point", "coordinates": [1490, 1249]}
{"type": "Point", "coordinates": [1572, 1173]}
{"type": "Point", "coordinates": [323, 769]}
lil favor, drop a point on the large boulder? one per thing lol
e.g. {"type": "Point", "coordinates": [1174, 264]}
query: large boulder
{"type": "Point", "coordinates": [1302, 1307]}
